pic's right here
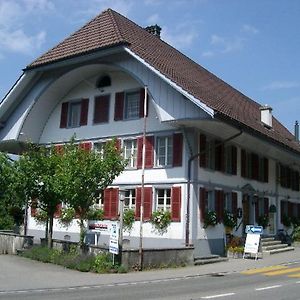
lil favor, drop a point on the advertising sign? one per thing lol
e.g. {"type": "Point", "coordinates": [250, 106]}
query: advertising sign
{"type": "Point", "coordinates": [114, 238]}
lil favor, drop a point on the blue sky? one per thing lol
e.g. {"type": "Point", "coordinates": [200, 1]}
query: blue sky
{"type": "Point", "coordinates": [252, 45]}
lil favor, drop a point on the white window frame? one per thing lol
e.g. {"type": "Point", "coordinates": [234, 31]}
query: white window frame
{"type": "Point", "coordinates": [132, 105]}
{"type": "Point", "coordinates": [130, 198]}
{"type": "Point", "coordinates": [130, 152]}
{"type": "Point", "coordinates": [165, 197]}
{"type": "Point", "coordinates": [99, 200]}
{"type": "Point", "coordinates": [73, 117]}
{"type": "Point", "coordinates": [164, 151]}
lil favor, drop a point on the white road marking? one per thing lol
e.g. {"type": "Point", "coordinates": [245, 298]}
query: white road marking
{"type": "Point", "coordinates": [218, 296]}
{"type": "Point", "coordinates": [268, 287]}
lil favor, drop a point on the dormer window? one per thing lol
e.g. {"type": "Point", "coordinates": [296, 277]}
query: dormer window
{"type": "Point", "coordinates": [103, 81]}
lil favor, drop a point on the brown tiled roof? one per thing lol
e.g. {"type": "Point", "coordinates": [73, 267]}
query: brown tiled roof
{"type": "Point", "coordinates": [110, 29]}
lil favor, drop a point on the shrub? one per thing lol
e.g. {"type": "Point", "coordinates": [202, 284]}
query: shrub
{"type": "Point", "coordinates": [128, 219]}
{"type": "Point", "coordinates": [210, 219]}
{"type": "Point", "coordinates": [229, 220]}
{"type": "Point", "coordinates": [296, 234]}
{"type": "Point", "coordinates": [263, 221]}
{"type": "Point", "coordinates": [67, 216]}
{"type": "Point", "coordinates": [95, 214]}
{"type": "Point", "coordinates": [286, 221]}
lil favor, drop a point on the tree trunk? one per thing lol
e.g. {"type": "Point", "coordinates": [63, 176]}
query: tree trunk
{"type": "Point", "coordinates": [50, 232]}
{"type": "Point", "coordinates": [82, 234]}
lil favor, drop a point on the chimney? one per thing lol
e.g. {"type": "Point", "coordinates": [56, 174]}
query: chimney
{"type": "Point", "coordinates": [154, 29]}
{"type": "Point", "coordinates": [296, 131]}
{"type": "Point", "coordinates": [266, 115]}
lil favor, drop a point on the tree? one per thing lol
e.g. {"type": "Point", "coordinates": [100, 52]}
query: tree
{"type": "Point", "coordinates": [10, 209]}
{"type": "Point", "coordinates": [85, 173]}
{"type": "Point", "coordinates": [38, 176]}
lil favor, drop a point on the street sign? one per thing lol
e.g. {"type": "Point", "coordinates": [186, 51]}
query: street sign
{"type": "Point", "coordinates": [254, 229]}
{"type": "Point", "coordinates": [114, 238]}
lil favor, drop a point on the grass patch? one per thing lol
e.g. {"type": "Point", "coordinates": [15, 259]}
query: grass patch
{"type": "Point", "coordinates": [101, 263]}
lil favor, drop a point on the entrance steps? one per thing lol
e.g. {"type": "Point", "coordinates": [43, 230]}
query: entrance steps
{"type": "Point", "coordinates": [208, 259]}
{"type": "Point", "coordinates": [272, 246]}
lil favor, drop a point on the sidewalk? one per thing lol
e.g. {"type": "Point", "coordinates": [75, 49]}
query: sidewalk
{"type": "Point", "coordinates": [21, 274]}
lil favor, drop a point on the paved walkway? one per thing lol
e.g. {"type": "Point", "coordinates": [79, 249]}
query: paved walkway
{"type": "Point", "coordinates": [19, 273]}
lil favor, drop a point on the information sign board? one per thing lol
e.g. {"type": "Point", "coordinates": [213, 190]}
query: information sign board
{"type": "Point", "coordinates": [114, 238]}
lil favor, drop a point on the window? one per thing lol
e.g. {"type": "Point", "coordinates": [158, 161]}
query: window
{"type": "Point", "coordinates": [228, 202]}
{"type": "Point", "coordinates": [99, 147]}
{"type": "Point", "coordinates": [163, 199]}
{"type": "Point", "coordinates": [210, 201]}
{"type": "Point", "coordinates": [130, 152]}
{"type": "Point", "coordinates": [129, 202]}
{"type": "Point", "coordinates": [132, 105]}
{"type": "Point", "coordinates": [164, 151]}
{"type": "Point", "coordinates": [99, 202]}
{"type": "Point", "coordinates": [74, 113]}
{"type": "Point", "coordinates": [103, 81]}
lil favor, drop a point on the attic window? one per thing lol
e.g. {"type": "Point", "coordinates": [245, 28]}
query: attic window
{"type": "Point", "coordinates": [103, 81]}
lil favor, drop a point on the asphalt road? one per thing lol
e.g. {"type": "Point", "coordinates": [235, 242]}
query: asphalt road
{"type": "Point", "coordinates": [217, 286]}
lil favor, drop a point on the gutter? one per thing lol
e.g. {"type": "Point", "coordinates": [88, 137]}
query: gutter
{"type": "Point", "coordinates": [191, 159]}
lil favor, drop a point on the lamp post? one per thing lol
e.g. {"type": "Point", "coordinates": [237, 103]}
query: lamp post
{"type": "Point", "coordinates": [121, 198]}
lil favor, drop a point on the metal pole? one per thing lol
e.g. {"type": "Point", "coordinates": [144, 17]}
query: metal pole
{"type": "Point", "coordinates": [121, 198]}
{"type": "Point", "coordinates": [143, 183]}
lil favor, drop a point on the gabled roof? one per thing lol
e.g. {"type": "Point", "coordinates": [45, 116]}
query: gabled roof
{"type": "Point", "coordinates": [111, 29]}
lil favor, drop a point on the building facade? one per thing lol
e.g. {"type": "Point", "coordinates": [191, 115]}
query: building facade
{"type": "Point", "coordinates": [208, 147]}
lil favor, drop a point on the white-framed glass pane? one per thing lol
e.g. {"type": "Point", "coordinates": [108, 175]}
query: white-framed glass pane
{"type": "Point", "coordinates": [210, 201]}
{"type": "Point", "coordinates": [130, 152]}
{"type": "Point", "coordinates": [163, 199]}
{"type": "Point", "coordinates": [129, 201]}
{"type": "Point", "coordinates": [164, 151]}
{"type": "Point", "coordinates": [228, 202]}
{"type": "Point", "coordinates": [99, 202]}
{"type": "Point", "coordinates": [74, 114]}
{"type": "Point", "coordinates": [132, 105]}
{"type": "Point", "coordinates": [99, 147]}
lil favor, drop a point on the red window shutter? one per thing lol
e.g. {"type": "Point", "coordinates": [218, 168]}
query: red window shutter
{"type": "Point", "coordinates": [33, 208]}
{"type": "Point", "coordinates": [290, 209]}
{"type": "Point", "coordinates": [176, 204]}
{"type": "Point", "coordinates": [87, 146]}
{"type": "Point", "coordinates": [288, 177]}
{"type": "Point", "coordinates": [139, 152]}
{"type": "Point", "coordinates": [281, 210]}
{"type": "Point", "coordinates": [177, 150]}
{"type": "Point", "coordinates": [147, 203]}
{"type": "Point", "coordinates": [111, 199]}
{"type": "Point", "coordinates": [256, 207]}
{"type": "Point", "coordinates": [219, 156]}
{"type": "Point", "coordinates": [243, 163]}
{"type": "Point", "coordinates": [57, 212]}
{"type": "Point", "coordinates": [149, 155]}
{"type": "Point", "coordinates": [59, 149]}
{"type": "Point", "coordinates": [84, 112]}
{"type": "Point", "coordinates": [119, 106]}
{"type": "Point", "coordinates": [266, 170]}
{"type": "Point", "coordinates": [266, 206]}
{"type": "Point", "coordinates": [234, 203]}
{"type": "Point", "coordinates": [138, 203]}
{"type": "Point", "coordinates": [255, 166]}
{"type": "Point", "coordinates": [234, 160]}
{"type": "Point", "coordinates": [118, 144]}
{"type": "Point", "coordinates": [142, 98]}
{"type": "Point", "coordinates": [202, 147]}
{"type": "Point", "coordinates": [203, 203]}
{"type": "Point", "coordinates": [101, 112]}
{"type": "Point", "coordinates": [64, 115]}
{"type": "Point", "coordinates": [219, 204]}
{"type": "Point", "coordinates": [149, 152]}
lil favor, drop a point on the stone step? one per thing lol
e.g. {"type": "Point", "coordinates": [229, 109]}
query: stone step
{"type": "Point", "coordinates": [210, 256]}
{"type": "Point", "coordinates": [272, 247]}
{"type": "Point", "coordinates": [275, 251]}
{"type": "Point", "coordinates": [204, 261]}
{"type": "Point", "coordinates": [269, 243]}
{"type": "Point", "coordinates": [267, 239]}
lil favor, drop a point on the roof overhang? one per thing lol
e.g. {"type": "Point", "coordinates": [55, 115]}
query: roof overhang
{"type": "Point", "coordinates": [196, 101]}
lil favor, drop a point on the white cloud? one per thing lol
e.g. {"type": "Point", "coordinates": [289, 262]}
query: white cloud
{"type": "Point", "coordinates": [227, 45]}
{"type": "Point", "coordinates": [277, 85]}
{"type": "Point", "coordinates": [13, 15]}
{"type": "Point", "coordinates": [208, 54]}
{"type": "Point", "coordinates": [153, 19]}
{"type": "Point", "coordinates": [249, 29]}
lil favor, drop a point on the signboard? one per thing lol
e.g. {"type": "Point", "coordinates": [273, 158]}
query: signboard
{"type": "Point", "coordinates": [114, 238]}
{"type": "Point", "coordinates": [252, 239]}
{"type": "Point", "coordinates": [98, 226]}
{"type": "Point", "coordinates": [254, 229]}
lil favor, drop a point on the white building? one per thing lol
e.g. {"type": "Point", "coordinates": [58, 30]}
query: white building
{"type": "Point", "coordinates": [208, 146]}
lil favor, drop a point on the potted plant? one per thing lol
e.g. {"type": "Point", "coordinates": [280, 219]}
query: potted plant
{"type": "Point", "coordinates": [128, 219]}
{"type": "Point", "coordinates": [234, 247]}
{"type": "Point", "coordinates": [229, 221]}
{"type": "Point", "coordinates": [67, 216]}
{"type": "Point", "coordinates": [263, 221]}
{"type": "Point", "coordinates": [161, 220]}
{"type": "Point", "coordinates": [286, 221]}
{"type": "Point", "coordinates": [210, 219]}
